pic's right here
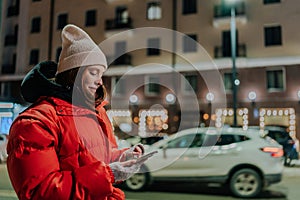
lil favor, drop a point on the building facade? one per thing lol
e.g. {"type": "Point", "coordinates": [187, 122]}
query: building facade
{"type": "Point", "coordinates": [170, 61]}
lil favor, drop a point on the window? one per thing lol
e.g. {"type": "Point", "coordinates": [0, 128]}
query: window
{"type": "Point", "coordinates": [153, 11]}
{"type": "Point", "coordinates": [118, 85]}
{"type": "Point", "coordinates": [189, 43]}
{"type": "Point", "coordinates": [190, 83]}
{"type": "Point", "coordinates": [273, 36]}
{"type": "Point", "coordinates": [152, 86]}
{"type": "Point", "coordinates": [36, 25]}
{"type": "Point", "coordinates": [271, 1]}
{"type": "Point", "coordinates": [189, 7]}
{"type": "Point", "coordinates": [62, 21]}
{"type": "Point", "coordinates": [34, 57]}
{"type": "Point", "coordinates": [275, 80]}
{"type": "Point", "coordinates": [5, 90]}
{"type": "Point", "coordinates": [184, 141]}
{"type": "Point", "coordinates": [228, 81]}
{"type": "Point", "coordinates": [36, 0]}
{"type": "Point", "coordinates": [153, 47]}
{"type": "Point", "coordinates": [58, 51]}
{"type": "Point", "coordinates": [225, 140]}
{"type": "Point", "coordinates": [90, 18]}
{"type": "Point", "coordinates": [122, 15]}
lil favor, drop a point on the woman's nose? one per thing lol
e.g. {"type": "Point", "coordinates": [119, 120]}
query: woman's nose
{"type": "Point", "coordinates": [98, 82]}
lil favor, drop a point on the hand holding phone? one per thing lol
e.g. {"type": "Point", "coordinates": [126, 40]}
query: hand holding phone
{"type": "Point", "coordinates": [143, 158]}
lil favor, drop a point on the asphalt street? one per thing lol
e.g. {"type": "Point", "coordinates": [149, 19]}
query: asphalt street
{"type": "Point", "coordinates": [288, 189]}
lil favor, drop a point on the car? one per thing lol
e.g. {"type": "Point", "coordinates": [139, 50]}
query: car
{"type": "Point", "coordinates": [3, 143]}
{"type": "Point", "coordinates": [282, 136]}
{"type": "Point", "coordinates": [241, 160]}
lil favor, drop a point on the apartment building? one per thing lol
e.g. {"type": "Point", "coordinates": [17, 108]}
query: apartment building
{"type": "Point", "coordinates": [170, 61]}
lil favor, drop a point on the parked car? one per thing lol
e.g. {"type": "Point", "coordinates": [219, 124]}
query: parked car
{"type": "Point", "coordinates": [282, 136]}
{"type": "Point", "coordinates": [241, 160]}
{"type": "Point", "coordinates": [3, 143]}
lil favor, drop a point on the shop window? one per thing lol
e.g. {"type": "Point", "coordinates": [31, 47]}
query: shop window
{"type": "Point", "coordinates": [273, 36]}
{"type": "Point", "coordinates": [189, 7]}
{"type": "Point", "coordinates": [118, 86]}
{"type": "Point", "coordinates": [190, 83]}
{"type": "Point", "coordinates": [154, 10]}
{"type": "Point", "coordinates": [271, 1]}
{"type": "Point", "coordinates": [152, 86]}
{"type": "Point", "coordinates": [62, 21]}
{"type": "Point", "coordinates": [36, 25]}
{"type": "Point", "coordinates": [189, 43]}
{"type": "Point", "coordinates": [228, 81]}
{"type": "Point", "coordinates": [90, 18]}
{"type": "Point", "coordinates": [153, 47]}
{"type": "Point", "coordinates": [275, 80]}
{"type": "Point", "coordinates": [34, 57]}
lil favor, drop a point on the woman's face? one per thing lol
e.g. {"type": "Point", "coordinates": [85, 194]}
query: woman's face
{"type": "Point", "coordinates": [92, 79]}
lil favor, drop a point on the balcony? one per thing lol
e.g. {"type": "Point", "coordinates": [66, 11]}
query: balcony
{"type": "Point", "coordinates": [113, 24]}
{"type": "Point", "coordinates": [220, 52]}
{"type": "Point", "coordinates": [12, 11]}
{"type": "Point", "coordinates": [125, 59]}
{"type": "Point", "coordinates": [222, 14]}
{"type": "Point", "coordinates": [10, 40]}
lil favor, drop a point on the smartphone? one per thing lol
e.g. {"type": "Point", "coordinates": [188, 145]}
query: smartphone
{"type": "Point", "coordinates": [146, 156]}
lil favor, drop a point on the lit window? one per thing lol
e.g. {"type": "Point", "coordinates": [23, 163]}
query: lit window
{"type": "Point", "coordinates": [153, 11]}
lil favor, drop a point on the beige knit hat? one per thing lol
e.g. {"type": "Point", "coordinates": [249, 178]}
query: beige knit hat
{"type": "Point", "coordinates": [78, 49]}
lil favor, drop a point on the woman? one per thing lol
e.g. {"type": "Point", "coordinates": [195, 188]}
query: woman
{"type": "Point", "coordinates": [61, 147]}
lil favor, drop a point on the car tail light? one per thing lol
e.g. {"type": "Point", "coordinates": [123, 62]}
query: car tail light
{"type": "Point", "coordinates": [274, 151]}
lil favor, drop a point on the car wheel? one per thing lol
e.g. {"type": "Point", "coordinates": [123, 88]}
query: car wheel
{"type": "Point", "coordinates": [245, 183]}
{"type": "Point", "coordinates": [137, 182]}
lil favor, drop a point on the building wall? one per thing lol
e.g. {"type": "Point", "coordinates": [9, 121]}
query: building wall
{"type": "Point", "coordinates": [251, 68]}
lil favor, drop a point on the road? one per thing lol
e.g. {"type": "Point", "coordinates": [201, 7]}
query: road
{"type": "Point", "coordinates": [288, 189]}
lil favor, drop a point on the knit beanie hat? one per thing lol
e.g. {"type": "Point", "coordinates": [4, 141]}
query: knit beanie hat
{"type": "Point", "coordinates": [78, 49]}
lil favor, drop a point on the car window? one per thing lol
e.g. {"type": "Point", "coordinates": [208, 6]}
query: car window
{"type": "Point", "coordinates": [241, 138]}
{"type": "Point", "coordinates": [278, 136]}
{"type": "Point", "coordinates": [182, 142]}
{"type": "Point", "coordinates": [197, 141]}
{"type": "Point", "coordinates": [225, 140]}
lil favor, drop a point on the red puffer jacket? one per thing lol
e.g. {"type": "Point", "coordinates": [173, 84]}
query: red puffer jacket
{"type": "Point", "coordinates": [57, 151]}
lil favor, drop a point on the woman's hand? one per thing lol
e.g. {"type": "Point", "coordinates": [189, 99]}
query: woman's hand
{"type": "Point", "coordinates": [133, 153]}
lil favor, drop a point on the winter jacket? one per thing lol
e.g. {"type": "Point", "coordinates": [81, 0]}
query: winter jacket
{"type": "Point", "coordinates": [58, 150]}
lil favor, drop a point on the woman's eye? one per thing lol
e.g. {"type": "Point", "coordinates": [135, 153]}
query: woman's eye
{"type": "Point", "coordinates": [93, 73]}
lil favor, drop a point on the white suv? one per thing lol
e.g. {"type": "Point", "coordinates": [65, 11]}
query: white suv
{"type": "Point", "coordinates": [242, 160]}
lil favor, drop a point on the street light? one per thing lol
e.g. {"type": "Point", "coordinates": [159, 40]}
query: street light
{"type": "Point", "coordinates": [233, 58]}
